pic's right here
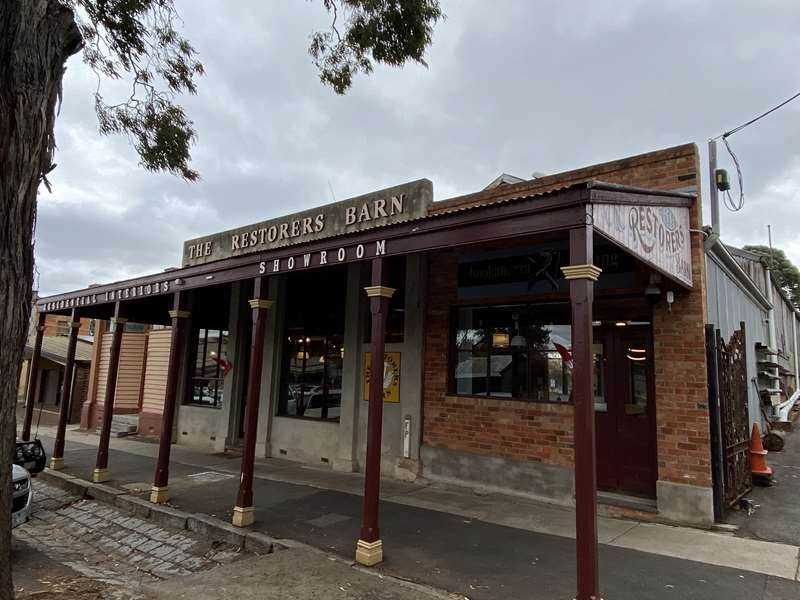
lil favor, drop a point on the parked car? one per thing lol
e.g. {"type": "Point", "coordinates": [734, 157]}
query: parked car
{"type": "Point", "coordinates": [22, 495]}
{"type": "Point", "coordinates": [30, 456]}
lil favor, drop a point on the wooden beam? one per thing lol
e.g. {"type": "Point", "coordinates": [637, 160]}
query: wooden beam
{"type": "Point", "coordinates": [244, 511]}
{"type": "Point", "coordinates": [33, 377]}
{"type": "Point", "coordinates": [582, 275]}
{"type": "Point", "coordinates": [179, 316]}
{"type": "Point", "coordinates": [57, 460]}
{"type": "Point", "coordinates": [369, 549]}
{"type": "Point", "coordinates": [101, 466]}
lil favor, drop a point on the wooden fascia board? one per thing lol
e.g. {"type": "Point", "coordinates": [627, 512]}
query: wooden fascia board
{"type": "Point", "coordinates": [600, 196]}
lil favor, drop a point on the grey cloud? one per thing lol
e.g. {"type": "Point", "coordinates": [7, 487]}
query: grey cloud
{"type": "Point", "coordinates": [520, 87]}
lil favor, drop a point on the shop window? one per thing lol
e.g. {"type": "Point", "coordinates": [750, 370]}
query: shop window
{"type": "Point", "coordinates": [519, 351]}
{"type": "Point", "coordinates": [313, 350]}
{"type": "Point", "coordinates": [314, 379]}
{"type": "Point", "coordinates": [209, 368]}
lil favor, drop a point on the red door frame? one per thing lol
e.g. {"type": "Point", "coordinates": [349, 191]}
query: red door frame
{"type": "Point", "coordinates": [613, 447]}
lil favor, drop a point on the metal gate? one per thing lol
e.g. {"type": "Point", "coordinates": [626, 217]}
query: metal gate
{"type": "Point", "coordinates": [729, 363]}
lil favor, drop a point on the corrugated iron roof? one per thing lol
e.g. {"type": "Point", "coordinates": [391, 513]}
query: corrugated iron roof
{"type": "Point", "coordinates": [54, 347]}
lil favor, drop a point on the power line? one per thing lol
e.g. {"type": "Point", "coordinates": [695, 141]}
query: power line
{"type": "Point", "coordinates": [730, 203]}
{"type": "Point", "coordinates": [761, 116]}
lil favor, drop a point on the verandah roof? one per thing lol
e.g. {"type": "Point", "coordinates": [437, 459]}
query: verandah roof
{"type": "Point", "coordinates": [516, 212]}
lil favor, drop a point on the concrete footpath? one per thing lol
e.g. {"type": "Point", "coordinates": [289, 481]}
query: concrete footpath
{"type": "Point", "coordinates": [479, 545]}
{"type": "Point", "coordinates": [296, 574]}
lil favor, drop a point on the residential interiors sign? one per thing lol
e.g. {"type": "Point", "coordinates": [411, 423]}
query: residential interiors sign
{"type": "Point", "coordinates": [377, 209]}
{"type": "Point", "coordinates": [659, 235]}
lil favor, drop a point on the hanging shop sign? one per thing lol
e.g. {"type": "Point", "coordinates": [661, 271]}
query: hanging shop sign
{"type": "Point", "coordinates": [658, 235]}
{"type": "Point", "coordinates": [391, 376]}
{"type": "Point", "coordinates": [377, 209]}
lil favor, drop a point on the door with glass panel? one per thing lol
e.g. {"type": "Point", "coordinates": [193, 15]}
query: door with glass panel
{"type": "Point", "coordinates": [624, 408]}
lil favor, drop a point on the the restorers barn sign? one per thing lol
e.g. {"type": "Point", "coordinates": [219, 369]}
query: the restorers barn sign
{"type": "Point", "coordinates": [386, 207]}
{"type": "Point", "coordinates": [659, 235]}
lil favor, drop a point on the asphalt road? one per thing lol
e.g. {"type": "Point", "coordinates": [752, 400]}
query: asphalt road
{"type": "Point", "coordinates": [481, 560]}
{"type": "Point", "coordinates": [777, 517]}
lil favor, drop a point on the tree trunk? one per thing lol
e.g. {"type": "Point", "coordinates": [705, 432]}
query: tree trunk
{"type": "Point", "coordinates": [36, 38]}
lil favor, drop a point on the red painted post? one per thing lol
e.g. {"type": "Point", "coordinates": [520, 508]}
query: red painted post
{"type": "Point", "coordinates": [159, 493]}
{"type": "Point", "coordinates": [101, 467]}
{"type": "Point", "coordinates": [369, 550]}
{"type": "Point", "coordinates": [244, 511]}
{"type": "Point", "coordinates": [33, 377]}
{"type": "Point", "coordinates": [581, 275]}
{"type": "Point", "coordinates": [57, 460]}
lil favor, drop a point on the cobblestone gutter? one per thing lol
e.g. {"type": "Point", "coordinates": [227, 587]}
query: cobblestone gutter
{"type": "Point", "coordinates": [109, 545]}
{"type": "Point", "coordinates": [207, 527]}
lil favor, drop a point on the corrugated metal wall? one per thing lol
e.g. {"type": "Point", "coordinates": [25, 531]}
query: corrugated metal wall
{"type": "Point", "coordinates": [728, 305]}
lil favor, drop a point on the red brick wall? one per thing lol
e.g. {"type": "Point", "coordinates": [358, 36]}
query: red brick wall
{"type": "Point", "coordinates": [682, 421]}
{"type": "Point", "coordinates": [513, 429]}
{"type": "Point", "coordinates": [543, 432]}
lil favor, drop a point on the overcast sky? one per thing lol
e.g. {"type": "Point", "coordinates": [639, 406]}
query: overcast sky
{"type": "Point", "coordinates": [512, 86]}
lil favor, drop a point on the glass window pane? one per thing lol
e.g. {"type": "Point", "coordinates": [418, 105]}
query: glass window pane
{"type": "Point", "coordinates": [637, 363]}
{"type": "Point", "coordinates": [311, 383]}
{"type": "Point", "coordinates": [471, 334]}
{"type": "Point", "coordinates": [200, 354]}
{"type": "Point", "coordinates": [598, 379]}
{"type": "Point", "coordinates": [524, 351]}
{"type": "Point", "coordinates": [211, 366]}
{"type": "Point", "coordinates": [470, 373]}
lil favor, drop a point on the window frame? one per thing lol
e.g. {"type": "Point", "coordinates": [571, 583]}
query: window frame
{"type": "Point", "coordinates": [218, 377]}
{"type": "Point", "coordinates": [452, 358]}
{"type": "Point", "coordinates": [296, 328]}
{"type": "Point", "coordinates": [283, 398]}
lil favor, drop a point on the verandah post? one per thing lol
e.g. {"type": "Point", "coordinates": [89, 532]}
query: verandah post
{"type": "Point", "coordinates": [101, 466]}
{"type": "Point", "coordinates": [57, 460]}
{"type": "Point", "coordinates": [581, 275]}
{"type": "Point", "coordinates": [244, 511]}
{"type": "Point", "coordinates": [369, 550]}
{"type": "Point", "coordinates": [159, 493]}
{"type": "Point", "coordinates": [33, 377]}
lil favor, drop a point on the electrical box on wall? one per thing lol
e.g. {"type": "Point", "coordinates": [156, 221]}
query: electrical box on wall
{"type": "Point", "coordinates": [722, 181]}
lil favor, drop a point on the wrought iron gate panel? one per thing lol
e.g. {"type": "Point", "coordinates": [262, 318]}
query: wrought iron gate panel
{"type": "Point", "coordinates": [735, 421]}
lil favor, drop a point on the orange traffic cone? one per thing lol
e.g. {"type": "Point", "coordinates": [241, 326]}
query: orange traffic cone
{"type": "Point", "coordinates": [758, 456]}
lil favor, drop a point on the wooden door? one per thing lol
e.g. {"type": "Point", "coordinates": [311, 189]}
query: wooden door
{"type": "Point", "coordinates": [625, 410]}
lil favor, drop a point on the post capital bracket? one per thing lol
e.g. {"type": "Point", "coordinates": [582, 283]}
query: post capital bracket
{"type": "Point", "coordinates": [581, 272]}
{"type": "Point", "coordinates": [260, 303]}
{"type": "Point", "coordinates": [379, 290]}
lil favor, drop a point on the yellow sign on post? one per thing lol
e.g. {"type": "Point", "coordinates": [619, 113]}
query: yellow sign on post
{"type": "Point", "coordinates": [391, 376]}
